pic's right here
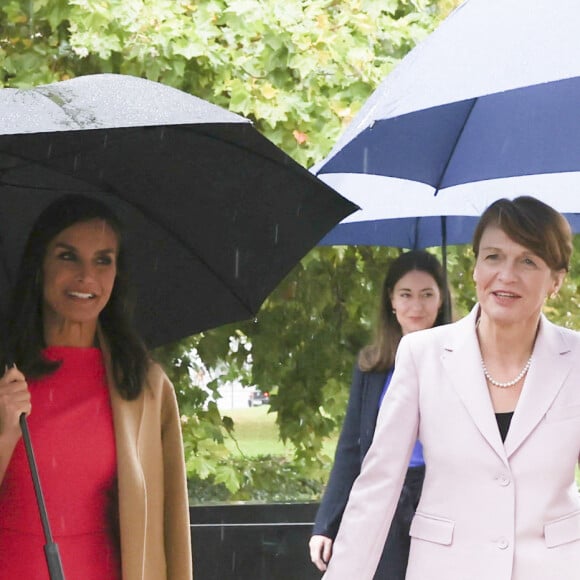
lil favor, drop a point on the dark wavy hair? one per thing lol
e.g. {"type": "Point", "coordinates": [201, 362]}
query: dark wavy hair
{"type": "Point", "coordinates": [25, 337]}
{"type": "Point", "coordinates": [380, 354]}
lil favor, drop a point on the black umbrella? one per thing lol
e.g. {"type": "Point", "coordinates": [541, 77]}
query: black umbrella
{"type": "Point", "coordinates": [216, 214]}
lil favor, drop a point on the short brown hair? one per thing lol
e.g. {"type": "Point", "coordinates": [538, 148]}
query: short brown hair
{"type": "Point", "coordinates": [532, 224]}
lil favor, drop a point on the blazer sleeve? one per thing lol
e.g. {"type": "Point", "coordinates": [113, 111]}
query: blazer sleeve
{"type": "Point", "coordinates": [346, 465]}
{"type": "Point", "coordinates": [177, 533]}
{"type": "Point", "coordinates": [375, 493]}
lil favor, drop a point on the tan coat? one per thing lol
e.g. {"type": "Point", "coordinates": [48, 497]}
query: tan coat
{"type": "Point", "coordinates": [153, 502]}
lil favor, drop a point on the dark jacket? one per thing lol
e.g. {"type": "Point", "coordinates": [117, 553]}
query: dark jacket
{"type": "Point", "coordinates": [354, 441]}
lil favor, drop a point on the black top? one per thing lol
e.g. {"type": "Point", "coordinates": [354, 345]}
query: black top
{"type": "Point", "coordinates": [503, 422]}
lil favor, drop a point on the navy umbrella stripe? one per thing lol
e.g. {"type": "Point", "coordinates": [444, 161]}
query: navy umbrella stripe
{"type": "Point", "coordinates": [453, 160]}
{"type": "Point", "coordinates": [527, 131]}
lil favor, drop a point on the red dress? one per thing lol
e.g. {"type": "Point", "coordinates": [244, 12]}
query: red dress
{"type": "Point", "coordinates": [71, 428]}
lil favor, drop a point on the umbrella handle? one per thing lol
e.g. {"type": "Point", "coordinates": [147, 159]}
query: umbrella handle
{"type": "Point", "coordinates": [446, 303]}
{"type": "Point", "coordinates": [50, 548]}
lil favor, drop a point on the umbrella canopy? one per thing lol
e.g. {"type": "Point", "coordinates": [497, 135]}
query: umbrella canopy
{"type": "Point", "coordinates": [478, 111]}
{"type": "Point", "coordinates": [216, 215]}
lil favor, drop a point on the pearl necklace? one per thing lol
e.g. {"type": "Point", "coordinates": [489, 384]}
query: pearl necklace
{"type": "Point", "coordinates": [508, 383]}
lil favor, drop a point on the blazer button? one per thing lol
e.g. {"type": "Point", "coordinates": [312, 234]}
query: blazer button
{"type": "Point", "coordinates": [502, 543]}
{"type": "Point", "coordinates": [503, 480]}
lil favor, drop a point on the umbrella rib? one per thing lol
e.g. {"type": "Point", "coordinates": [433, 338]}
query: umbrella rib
{"type": "Point", "coordinates": [107, 188]}
{"type": "Point", "coordinates": [286, 163]}
{"type": "Point", "coordinates": [111, 191]}
{"type": "Point", "coordinates": [450, 156]}
{"type": "Point", "coordinates": [189, 249]}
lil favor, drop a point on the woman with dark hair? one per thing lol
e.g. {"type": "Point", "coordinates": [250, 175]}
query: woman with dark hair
{"type": "Point", "coordinates": [413, 297]}
{"type": "Point", "coordinates": [103, 416]}
{"type": "Point", "coordinates": [494, 399]}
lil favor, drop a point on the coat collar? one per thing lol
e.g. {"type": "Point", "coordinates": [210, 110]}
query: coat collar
{"type": "Point", "coordinates": [551, 363]}
{"type": "Point", "coordinates": [462, 360]}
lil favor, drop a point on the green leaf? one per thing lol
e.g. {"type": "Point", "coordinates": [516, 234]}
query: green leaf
{"type": "Point", "coordinates": [229, 476]}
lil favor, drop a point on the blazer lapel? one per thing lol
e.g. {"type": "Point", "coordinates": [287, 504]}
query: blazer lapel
{"type": "Point", "coordinates": [551, 363]}
{"type": "Point", "coordinates": [462, 360]}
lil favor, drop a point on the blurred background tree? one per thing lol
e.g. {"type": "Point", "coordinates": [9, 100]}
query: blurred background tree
{"type": "Point", "coordinates": [300, 70]}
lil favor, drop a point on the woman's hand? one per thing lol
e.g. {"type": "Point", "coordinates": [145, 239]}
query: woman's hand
{"type": "Point", "coordinates": [14, 400]}
{"type": "Point", "coordinates": [320, 551]}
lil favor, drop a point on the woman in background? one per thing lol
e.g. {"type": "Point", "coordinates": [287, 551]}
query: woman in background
{"type": "Point", "coordinates": [413, 297]}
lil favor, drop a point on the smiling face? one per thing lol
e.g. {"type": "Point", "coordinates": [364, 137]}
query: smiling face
{"type": "Point", "coordinates": [79, 271]}
{"type": "Point", "coordinates": [510, 280]}
{"type": "Point", "coordinates": [416, 300]}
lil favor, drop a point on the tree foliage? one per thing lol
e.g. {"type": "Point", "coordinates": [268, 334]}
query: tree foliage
{"type": "Point", "coordinates": [300, 69]}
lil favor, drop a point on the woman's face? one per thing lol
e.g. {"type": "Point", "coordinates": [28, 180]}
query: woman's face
{"type": "Point", "coordinates": [416, 300]}
{"type": "Point", "coordinates": [79, 272]}
{"type": "Point", "coordinates": [511, 281]}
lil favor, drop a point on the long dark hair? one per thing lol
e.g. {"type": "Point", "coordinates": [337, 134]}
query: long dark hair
{"type": "Point", "coordinates": [25, 337]}
{"type": "Point", "coordinates": [380, 354]}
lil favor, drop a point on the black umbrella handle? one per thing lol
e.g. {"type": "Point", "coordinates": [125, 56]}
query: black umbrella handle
{"type": "Point", "coordinates": [50, 548]}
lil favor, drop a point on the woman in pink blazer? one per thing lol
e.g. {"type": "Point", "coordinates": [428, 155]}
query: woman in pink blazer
{"type": "Point", "coordinates": [495, 401]}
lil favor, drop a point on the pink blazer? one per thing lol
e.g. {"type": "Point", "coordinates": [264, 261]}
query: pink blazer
{"type": "Point", "coordinates": [489, 510]}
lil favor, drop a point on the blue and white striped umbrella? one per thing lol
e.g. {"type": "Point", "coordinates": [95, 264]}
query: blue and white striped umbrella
{"type": "Point", "coordinates": [488, 106]}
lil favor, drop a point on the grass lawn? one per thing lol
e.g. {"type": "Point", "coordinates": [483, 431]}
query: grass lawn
{"type": "Point", "coordinates": [257, 433]}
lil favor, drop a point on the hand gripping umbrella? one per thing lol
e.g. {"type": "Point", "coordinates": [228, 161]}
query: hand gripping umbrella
{"type": "Point", "coordinates": [215, 214]}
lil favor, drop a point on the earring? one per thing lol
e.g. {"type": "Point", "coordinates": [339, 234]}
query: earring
{"type": "Point", "coordinates": [554, 294]}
